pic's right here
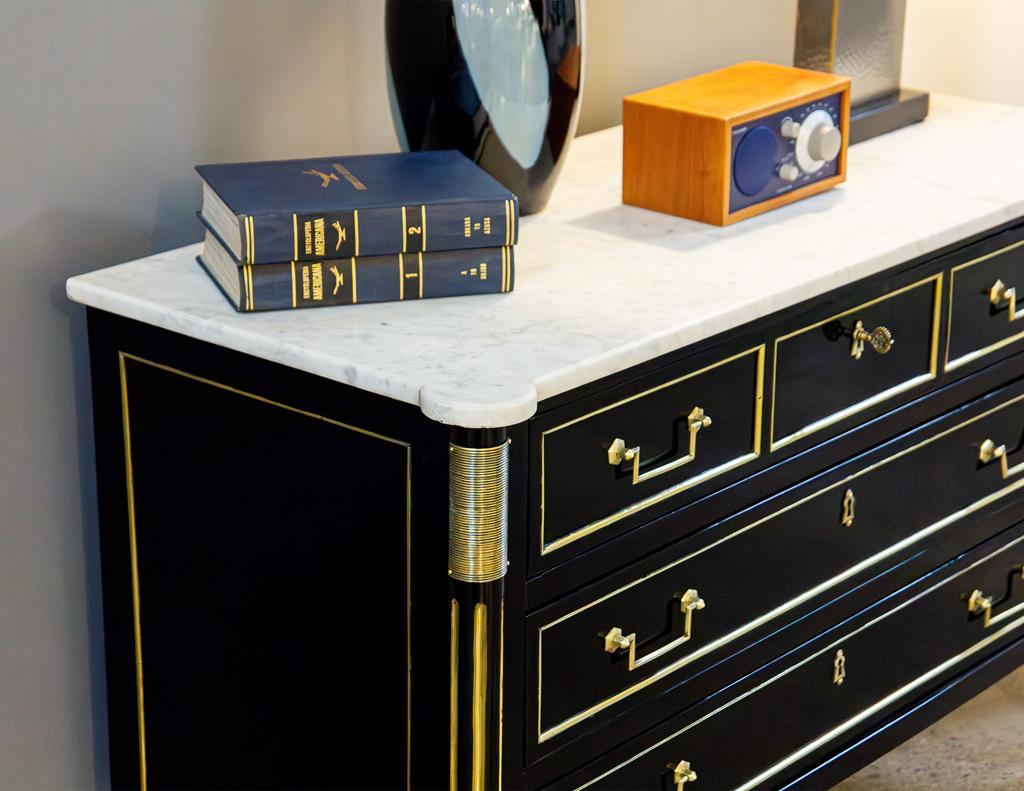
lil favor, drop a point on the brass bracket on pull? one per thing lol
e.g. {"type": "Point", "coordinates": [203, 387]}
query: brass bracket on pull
{"type": "Point", "coordinates": [682, 774]}
{"type": "Point", "coordinates": [619, 453]}
{"type": "Point", "coordinates": [615, 640]}
{"type": "Point", "coordinates": [978, 602]}
{"type": "Point", "coordinates": [989, 451]}
{"type": "Point", "coordinates": [999, 293]}
{"type": "Point", "coordinates": [880, 339]}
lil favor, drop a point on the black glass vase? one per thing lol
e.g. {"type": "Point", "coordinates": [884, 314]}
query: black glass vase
{"type": "Point", "coordinates": [499, 80]}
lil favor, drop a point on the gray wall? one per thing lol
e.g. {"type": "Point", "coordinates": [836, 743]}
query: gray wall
{"type": "Point", "coordinates": [104, 108]}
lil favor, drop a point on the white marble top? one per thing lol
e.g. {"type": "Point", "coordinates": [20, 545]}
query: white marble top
{"type": "Point", "coordinates": [601, 286]}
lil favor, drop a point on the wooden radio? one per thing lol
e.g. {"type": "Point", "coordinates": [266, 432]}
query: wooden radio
{"type": "Point", "coordinates": [735, 142]}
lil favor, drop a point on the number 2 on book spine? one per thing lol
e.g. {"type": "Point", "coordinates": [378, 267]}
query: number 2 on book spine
{"type": "Point", "coordinates": [414, 229]}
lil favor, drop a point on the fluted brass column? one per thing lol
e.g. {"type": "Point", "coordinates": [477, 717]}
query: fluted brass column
{"type": "Point", "coordinates": [477, 560]}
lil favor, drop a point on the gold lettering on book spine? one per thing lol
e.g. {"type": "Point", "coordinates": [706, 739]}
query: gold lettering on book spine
{"type": "Point", "coordinates": [478, 513]}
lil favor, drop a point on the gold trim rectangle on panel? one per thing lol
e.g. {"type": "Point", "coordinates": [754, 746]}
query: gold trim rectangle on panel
{"type": "Point", "coordinates": [697, 653]}
{"type": "Point", "coordinates": [130, 487]}
{"type": "Point", "coordinates": [851, 722]}
{"type": "Point", "coordinates": [949, 365]}
{"type": "Point", "coordinates": [671, 491]}
{"type": "Point", "coordinates": [853, 409]}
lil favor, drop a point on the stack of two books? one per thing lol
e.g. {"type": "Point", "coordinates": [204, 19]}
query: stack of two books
{"type": "Point", "coordinates": [345, 230]}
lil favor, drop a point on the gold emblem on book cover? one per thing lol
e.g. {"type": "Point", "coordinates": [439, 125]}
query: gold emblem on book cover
{"type": "Point", "coordinates": [325, 178]}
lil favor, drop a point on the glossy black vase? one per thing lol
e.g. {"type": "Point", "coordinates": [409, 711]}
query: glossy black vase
{"type": "Point", "coordinates": [499, 80]}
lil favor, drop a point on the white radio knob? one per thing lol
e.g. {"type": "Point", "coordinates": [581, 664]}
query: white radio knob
{"type": "Point", "coordinates": [825, 143]}
{"type": "Point", "coordinates": [789, 127]}
{"type": "Point", "coordinates": [789, 172]}
{"type": "Point", "coordinates": [818, 142]}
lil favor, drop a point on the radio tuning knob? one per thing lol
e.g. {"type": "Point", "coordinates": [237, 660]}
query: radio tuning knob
{"type": "Point", "coordinates": [790, 128]}
{"type": "Point", "coordinates": [818, 142]}
{"type": "Point", "coordinates": [824, 143]}
{"type": "Point", "coordinates": [789, 172]}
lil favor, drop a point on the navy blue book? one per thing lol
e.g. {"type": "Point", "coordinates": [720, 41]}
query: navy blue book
{"type": "Point", "coordinates": [339, 207]}
{"type": "Point", "coordinates": [349, 281]}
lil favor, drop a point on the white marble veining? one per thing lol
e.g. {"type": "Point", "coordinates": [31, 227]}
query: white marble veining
{"type": "Point", "coordinates": [601, 286]}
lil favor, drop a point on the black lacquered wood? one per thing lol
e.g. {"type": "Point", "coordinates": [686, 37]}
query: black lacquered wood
{"type": "Point", "coordinates": [816, 377]}
{"type": "Point", "coordinates": [976, 323]}
{"type": "Point", "coordinates": [919, 637]}
{"type": "Point", "coordinates": [767, 567]}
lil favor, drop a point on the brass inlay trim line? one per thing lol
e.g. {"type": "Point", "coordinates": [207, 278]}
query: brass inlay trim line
{"type": "Point", "coordinates": [423, 228]}
{"type": "Point", "coordinates": [842, 414]}
{"type": "Point", "coordinates": [294, 295]}
{"type": "Point", "coordinates": [479, 762]}
{"type": "Point", "coordinates": [501, 685]}
{"type": "Point", "coordinates": [948, 364]}
{"type": "Point", "coordinates": [355, 292]}
{"type": "Point", "coordinates": [697, 653]}
{"type": "Point", "coordinates": [401, 276]}
{"type": "Point", "coordinates": [453, 695]}
{"type": "Point", "coordinates": [640, 505]}
{"type": "Point", "coordinates": [136, 605]}
{"type": "Point", "coordinates": [405, 232]}
{"type": "Point", "coordinates": [856, 719]}
{"type": "Point", "coordinates": [419, 279]}
{"type": "Point", "coordinates": [355, 222]}
{"type": "Point", "coordinates": [295, 247]}
{"type": "Point", "coordinates": [477, 513]}
{"type": "Point", "coordinates": [123, 357]}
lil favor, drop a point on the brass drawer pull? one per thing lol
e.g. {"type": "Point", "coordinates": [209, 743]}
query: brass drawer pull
{"type": "Point", "coordinates": [619, 453]}
{"type": "Point", "coordinates": [979, 602]}
{"type": "Point", "coordinates": [1000, 293]}
{"type": "Point", "coordinates": [989, 452]}
{"type": "Point", "coordinates": [615, 641]}
{"type": "Point", "coordinates": [880, 339]}
{"type": "Point", "coordinates": [682, 774]}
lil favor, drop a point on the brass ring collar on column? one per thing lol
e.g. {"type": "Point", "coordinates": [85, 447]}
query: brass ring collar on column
{"type": "Point", "coordinates": [478, 513]}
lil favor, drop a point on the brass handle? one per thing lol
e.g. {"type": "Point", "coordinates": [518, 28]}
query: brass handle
{"type": "Point", "coordinates": [619, 453]}
{"type": "Point", "coordinates": [615, 640]}
{"type": "Point", "coordinates": [682, 774]}
{"type": "Point", "coordinates": [1000, 293]}
{"type": "Point", "coordinates": [849, 503]}
{"type": "Point", "coordinates": [880, 339]}
{"type": "Point", "coordinates": [989, 452]}
{"type": "Point", "coordinates": [978, 602]}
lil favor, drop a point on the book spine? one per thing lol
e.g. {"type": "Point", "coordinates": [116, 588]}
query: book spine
{"type": "Point", "coordinates": [413, 228]}
{"type": "Point", "coordinates": [380, 278]}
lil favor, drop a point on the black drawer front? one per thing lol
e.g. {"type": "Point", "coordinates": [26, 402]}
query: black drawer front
{"type": "Point", "coordinates": [896, 650]}
{"type": "Point", "coordinates": [691, 427]}
{"type": "Point", "coordinates": [763, 571]}
{"type": "Point", "coordinates": [980, 318]}
{"type": "Point", "coordinates": [817, 381]}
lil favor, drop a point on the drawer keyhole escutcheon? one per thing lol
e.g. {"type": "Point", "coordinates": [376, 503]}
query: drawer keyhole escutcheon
{"type": "Point", "coordinates": [839, 668]}
{"type": "Point", "coordinates": [978, 602]}
{"type": "Point", "coordinates": [880, 339]}
{"type": "Point", "coordinates": [990, 452]}
{"type": "Point", "coordinates": [682, 774]}
{"type": "Point", "coordinates": [619, 453]}
{"type": "Point", "coordinates": [615, 640]}
{"type": "Point", "coordinates": [849, 503]}
{"type": "Point", "coordinates": [1001, 293]}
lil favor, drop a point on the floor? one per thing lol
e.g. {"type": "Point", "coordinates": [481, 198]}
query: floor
{"type": "Point", "coordinates": [978, 747]}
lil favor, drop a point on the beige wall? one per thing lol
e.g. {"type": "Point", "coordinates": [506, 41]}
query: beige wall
{"type": "Point", "coordinates": [967, 47]}
{"type": "Point", "coordinates": [637, 44]}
